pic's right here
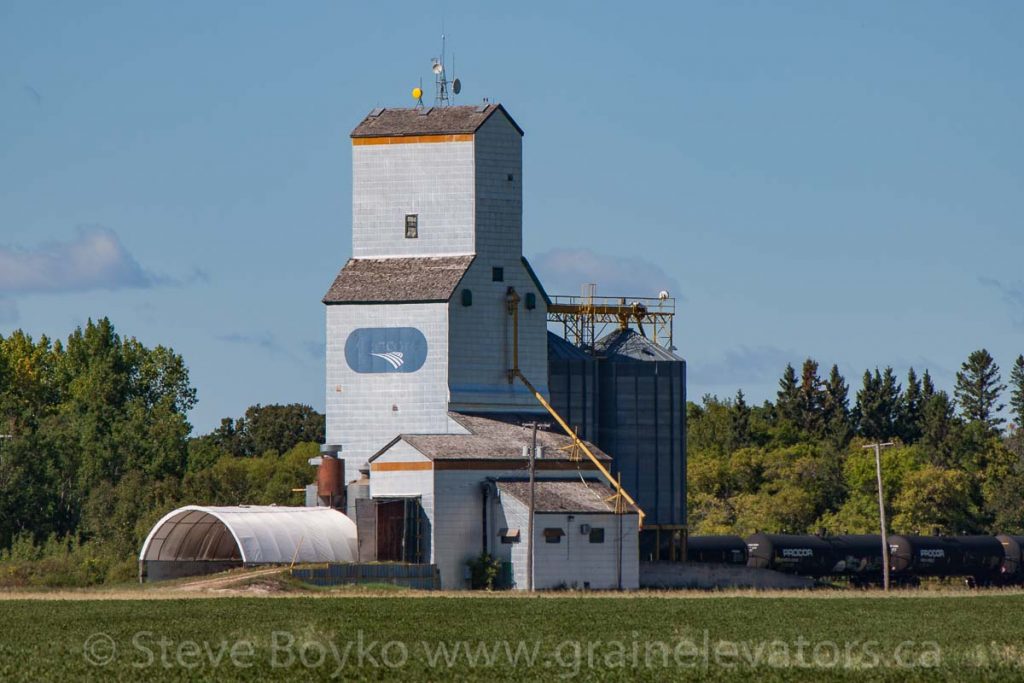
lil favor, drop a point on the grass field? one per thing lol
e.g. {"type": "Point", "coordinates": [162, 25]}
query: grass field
{"type": "Point", "coordinates": [398, 637]}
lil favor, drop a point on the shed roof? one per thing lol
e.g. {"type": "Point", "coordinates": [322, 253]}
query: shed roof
{"type": "Point", "coordinates": [497, 437]}
{"type": "Point", "coordinates": [257, 534]}
{"type": "Point", "coordinates": [455, 120]}
{"type": "Point", "coordinates": [393, 280]}
{"type": "Point", "coordinates": [563, 496]}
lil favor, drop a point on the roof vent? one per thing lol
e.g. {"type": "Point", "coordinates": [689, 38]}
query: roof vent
{"type": "Point", "coordinates": [376, 112]}
{"type": "Point", "coordinates": [482, 108]}
{"type": "Point", "coordinates": [424, 112]}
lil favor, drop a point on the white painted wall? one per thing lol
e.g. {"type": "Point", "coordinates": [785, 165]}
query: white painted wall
{"type": "Point", "coordinates": [458, 518]}
{"type": "Point", "coordinates": [361, 414]}
{"type": "Point", "coordinates": [434, 180]}
{"type": "Point", "coordinates": [481, 335]}
{"type": "Point", "coordinates": [575, 561]}
{"type": "Point", "coordinates": [480, 342]}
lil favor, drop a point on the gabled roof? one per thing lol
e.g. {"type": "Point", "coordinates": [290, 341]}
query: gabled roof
{"type": "Point", "coordinates": [495, 437]}
{"type": "Point", "coordinates": [563, 496]}
{"type": "Point", "coordinates": [454, 120]}
{"type": "Point", "coordinates": [395, 280]}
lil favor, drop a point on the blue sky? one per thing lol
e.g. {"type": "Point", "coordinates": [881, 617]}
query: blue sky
{"type": "Point", "coordinates": [836, 180]}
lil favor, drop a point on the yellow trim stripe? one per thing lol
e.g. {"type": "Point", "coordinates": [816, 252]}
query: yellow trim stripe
{"type": "Point", "coordinates": [400, 466]}
{"type": "Point", "coordinates": [410, 139]}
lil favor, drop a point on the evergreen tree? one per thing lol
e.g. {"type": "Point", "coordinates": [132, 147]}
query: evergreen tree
{"type": "Point", "coordinates": [911, 405]}
{"type": "Point", "coordinates": [835, 408]}
{"type": "Point", "coordinates": [978, 389]}
{"type": "Point", "coordinates": [927, 387]}
{"type": "Point", "coordinates": [938, 425]}
{"type": "Point", "coordinates": [878, 405]}
{"type": "Point", "coordinates": [1017, 394]}
{"type": "Point", "coordinates": [810, 399]}
{"type": "Point", "coordinates": [788, 406]}
{"type": "Point", "coordinates": [740, 421]}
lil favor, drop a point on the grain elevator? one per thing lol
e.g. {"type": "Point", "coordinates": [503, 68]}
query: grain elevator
{"type": "Point", "coordinates": [439, 361]}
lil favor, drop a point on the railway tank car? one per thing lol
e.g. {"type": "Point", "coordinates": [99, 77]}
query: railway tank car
{"type": "Point", "coordinates": [981, 560]}
{"type": "Point", "coordinates": [719, 549]}
{"type": "Point", "coordinates": [803, 555]}
{"type": "Point", "coordinates": [978, 557]}
{"type": "Point", "coordinates": [858, 556]}
{"type": "Point", "coordinates": [981, 557]}
{"type": "Point", "coordinates": [1012, 569]}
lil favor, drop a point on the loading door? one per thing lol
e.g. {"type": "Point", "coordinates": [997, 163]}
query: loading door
{"type": "Point", "coordinates": [400, 530]}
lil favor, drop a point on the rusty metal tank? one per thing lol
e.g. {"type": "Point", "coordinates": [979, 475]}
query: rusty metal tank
{"type": "Point", "coordinates": [330, 479]}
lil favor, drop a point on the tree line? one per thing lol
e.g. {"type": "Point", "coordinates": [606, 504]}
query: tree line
{"type": "Point", "coordinates": [798, 464]}
{"type": "Point", "coordinates": [95, 446]}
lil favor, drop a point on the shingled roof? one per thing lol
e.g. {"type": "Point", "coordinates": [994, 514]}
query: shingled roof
{"type": "Point", "coordinates": [499, 437]}
{"type": "Point", "coordinates": [393, 280]}
{"type": "Point", "coordinates": [563, 496]}
{"type": "Point", "coordinates": [427, 121]}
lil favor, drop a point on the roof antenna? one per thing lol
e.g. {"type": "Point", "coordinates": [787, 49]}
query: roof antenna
{"type": "Point", "coordinates": [417, 94]}
{"type": "Point", "coordinates": [442, 98]}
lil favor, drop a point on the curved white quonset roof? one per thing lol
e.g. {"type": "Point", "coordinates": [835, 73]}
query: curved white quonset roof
{"type": "Point", "coordinates": [256, 534]}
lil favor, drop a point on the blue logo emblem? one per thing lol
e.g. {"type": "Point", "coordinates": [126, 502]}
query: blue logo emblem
{"type": "Point", "coordinates": [386, 349]}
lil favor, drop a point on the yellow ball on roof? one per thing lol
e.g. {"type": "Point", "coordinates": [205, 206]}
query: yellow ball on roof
{"type": "Point", "coordinates": [417, 93]}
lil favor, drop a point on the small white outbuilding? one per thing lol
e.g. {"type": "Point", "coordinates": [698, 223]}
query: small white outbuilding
{"type": "Point", "coordinates": [201, 540]}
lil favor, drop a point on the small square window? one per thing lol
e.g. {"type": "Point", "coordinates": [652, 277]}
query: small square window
{"type": "Point", "coordinates": [412, 225]}
{"type": "Point", "coordinates": [511, 177]}
{"type": "Point", "coordinates": [597, 535]}
{"type": "Point", "coordinates": [509, 536]}
{"type": "Point", "coordinates": [497, 274]}
{"type": "Point", "coordinates": [553, 535]}
{"type": "Point", "coordinates": [531, 301]}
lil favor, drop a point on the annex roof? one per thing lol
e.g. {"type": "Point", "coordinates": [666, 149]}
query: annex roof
{"type": "Point", "coordinates": [256, 534]}
{"type": "Point", "coordinates": [454, 120]}
{"type": "Point", "coordinates": [394, 280]}
{"type": "Point", "coordinates": [629, 345]}
{"type": "Point", "coordinates": [563, 496]}
{"type": "Point", "coordinates": [497, 437]}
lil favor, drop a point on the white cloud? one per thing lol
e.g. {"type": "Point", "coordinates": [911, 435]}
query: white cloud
{"type": "Point", "coordinates": [563, 271]}
{"type": "Point", "coordinates": [93, 259]}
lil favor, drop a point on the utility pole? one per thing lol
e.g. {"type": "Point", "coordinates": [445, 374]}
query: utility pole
{"type": "Point", "coordinates": [533, 503]}
{"type": "Point", "coordinates": [881, 510]}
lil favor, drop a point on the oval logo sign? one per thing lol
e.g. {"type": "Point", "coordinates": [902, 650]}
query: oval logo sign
{"type": "Point", "coordinates": [386, 349]}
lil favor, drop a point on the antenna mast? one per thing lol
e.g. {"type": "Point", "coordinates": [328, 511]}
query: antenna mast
{"type": "Point", "coordinates": [444, 90]}
{"type": "Point", "coordinates": [442, 98]}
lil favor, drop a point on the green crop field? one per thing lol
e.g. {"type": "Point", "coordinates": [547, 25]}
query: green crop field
{"type": "Point", "coordinates": [396, 637]}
